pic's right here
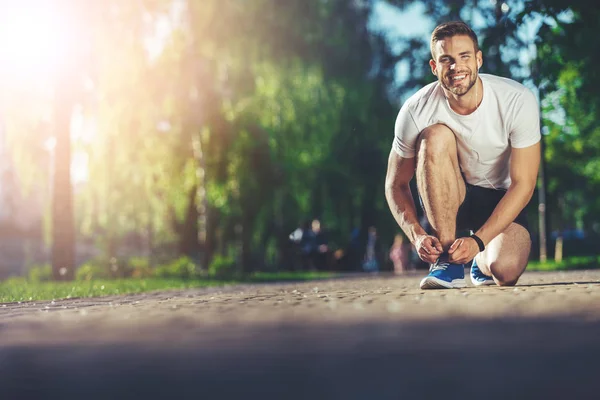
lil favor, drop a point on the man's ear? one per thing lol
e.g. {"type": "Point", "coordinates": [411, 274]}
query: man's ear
{"type": "Point", "coordinates": [433, 66]}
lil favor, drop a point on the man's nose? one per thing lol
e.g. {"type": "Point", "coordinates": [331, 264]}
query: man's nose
{"type": "Point", "coordinates": [453, 66]}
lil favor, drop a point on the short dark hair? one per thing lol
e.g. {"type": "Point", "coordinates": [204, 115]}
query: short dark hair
{"type": "Point", "coordinates": [450, 29]}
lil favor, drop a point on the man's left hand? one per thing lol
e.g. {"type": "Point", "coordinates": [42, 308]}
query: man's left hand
{"type": "Point", "coordinates": [463, 250]}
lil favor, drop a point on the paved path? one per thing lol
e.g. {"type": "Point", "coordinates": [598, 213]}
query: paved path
{"type": "Point", "coordinates": [374, 337]}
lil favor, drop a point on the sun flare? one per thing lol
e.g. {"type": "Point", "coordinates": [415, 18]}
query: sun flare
{"type": "Point", "coordinates": [33, 38]}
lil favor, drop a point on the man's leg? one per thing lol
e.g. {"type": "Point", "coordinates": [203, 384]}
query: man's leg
{"type": "Point", "coordinates": [440, 183]}
{"type": "Point", "coordinates": [442, 190]}
{"type": "Point", "coordinates": [505, 257]}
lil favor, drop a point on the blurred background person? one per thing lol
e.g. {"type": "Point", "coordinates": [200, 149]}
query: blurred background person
{"type": "Point", "coordinates": [400, 255]}
{"type": "Point", "coordinates": [314, 247]}
{"type": "Point", "coordinates": [372, 259]}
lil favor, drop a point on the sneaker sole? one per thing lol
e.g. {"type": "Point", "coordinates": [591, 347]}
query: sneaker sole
{"type": "Point", "coordinates": [484, 283]}
{"type": "Point", "coordinates": [430, 282]}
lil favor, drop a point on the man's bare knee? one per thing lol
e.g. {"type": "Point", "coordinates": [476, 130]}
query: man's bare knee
{"type": "Point", "coordinates": [507, 283]}
{"type": "Point", "coordinates": [435, 140]}
{"type": "Point", "coordinates": [507, 272]}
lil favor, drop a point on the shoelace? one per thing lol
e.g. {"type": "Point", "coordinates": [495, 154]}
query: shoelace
{"type": "Point", "coordinates": [440, 266]}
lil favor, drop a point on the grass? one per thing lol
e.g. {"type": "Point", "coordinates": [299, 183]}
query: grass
{"type": "Point", "coordinates": [289, 276]}
{"type": "Point", "coordinates": [20, 289]}
{"type": "Point", "coordinates": [571, 263]}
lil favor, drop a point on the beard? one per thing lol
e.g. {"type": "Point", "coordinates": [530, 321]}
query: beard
{"type": "Point", "coordinates": [462, 87]}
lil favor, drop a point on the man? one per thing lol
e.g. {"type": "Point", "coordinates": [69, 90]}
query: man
{"type": "Point", "coordinates": [314, 247]}
{"type": "Point", "coordinates": [473, 143]}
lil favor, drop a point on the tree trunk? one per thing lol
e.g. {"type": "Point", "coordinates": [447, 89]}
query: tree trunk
{"type": "Point", "coordinates": [63, 230]}
{"type": "Point", "coordinates": [245, 231]}
{"type": "Point", "coordinates": [210, 244]}
{"type": "Point", "coordinates": [200, 199]}
{"type": "Point", "coordinates": [188, 234]}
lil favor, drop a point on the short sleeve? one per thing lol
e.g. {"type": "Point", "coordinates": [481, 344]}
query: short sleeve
{"type": "Point", "coordinates": [405, 133]}
{"type": "Point", "coordinates": [525, 130]}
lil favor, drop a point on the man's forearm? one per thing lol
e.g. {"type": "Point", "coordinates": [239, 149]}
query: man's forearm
{"type": "Point", "coordinates": [513, 202]}
{"type": "Point", "coordinates": [403, 209]}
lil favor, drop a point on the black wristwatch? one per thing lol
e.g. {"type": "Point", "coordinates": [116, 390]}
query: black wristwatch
{"type": "Point", "coordinates": [479, 242]}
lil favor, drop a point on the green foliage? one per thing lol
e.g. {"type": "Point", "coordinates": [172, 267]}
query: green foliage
{"type": "Point", "coordinates": [18, 289]}
{"type": "Point", "coordinates": [222, 266]}
{"type": "Point", "coordinates": [290, 276]}
{"type": "Point", "coordinates": [13, 290]}
{"type": "Point", "coordinates": [113, 268]}
{"type": "Point", "coordinates": [566, 75]}
{"type": "Point", "coordinates": [40, 273]}
{"type": "Point", "coordinates": [181, 268]}
{"type": "Point", "coordinates": [15, 281]}
{"type": "Point", "coordinates": [140, 267]}
{"type": "Point", "coordinates": [571, 263]}
{"type": "Point", "coordinates": [89, 272]}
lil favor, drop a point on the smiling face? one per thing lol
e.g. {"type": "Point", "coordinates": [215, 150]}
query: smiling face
{"type": "Point", "coordinates": [456, 63]}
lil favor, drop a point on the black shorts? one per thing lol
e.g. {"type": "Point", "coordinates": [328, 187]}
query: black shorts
{"type": "Point", "coordinates": [478, 206]}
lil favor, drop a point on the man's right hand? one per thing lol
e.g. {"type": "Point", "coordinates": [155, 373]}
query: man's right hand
{"type": "Point", "coordinates": [428, 248]}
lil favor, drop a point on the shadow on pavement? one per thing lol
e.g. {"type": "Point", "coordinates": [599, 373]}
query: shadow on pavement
{"type": "Point", "coordinates": [519, 358]}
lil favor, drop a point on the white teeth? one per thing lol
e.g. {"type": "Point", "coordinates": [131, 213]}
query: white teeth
{"type": "Point", "coordinates": [459, 77]}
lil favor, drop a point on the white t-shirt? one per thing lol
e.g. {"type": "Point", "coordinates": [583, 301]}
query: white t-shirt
{"type": "Point", "coordinates": [508, 116]}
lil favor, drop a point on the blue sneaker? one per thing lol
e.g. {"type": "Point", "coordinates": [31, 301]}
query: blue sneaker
{"type": "Point", "coordinates": [479, 278]}
{"type": "Point", "coordinates": [444, 275]}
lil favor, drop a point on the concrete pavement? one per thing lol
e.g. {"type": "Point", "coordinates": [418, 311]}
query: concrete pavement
{"type": "Point", "coordinates": [365, 337]}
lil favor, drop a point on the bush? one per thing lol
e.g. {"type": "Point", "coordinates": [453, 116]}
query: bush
{"type": "Point", "coordinates": [181, 268]}
{"type": "Point", "coordinates": [15, 281]}
{"type": "Point", "coordinates": [139, 267]}
{"type": "Point", "coordinates": [40, 273]}
{"type": "Point", "coordinates": [118, 269]}
{"type": "Point", "coordinates": [91, 271]}
{"type": "Point", "coordinates": [222, 266]}
{"type": "Point", "coordinates": [101, 268]}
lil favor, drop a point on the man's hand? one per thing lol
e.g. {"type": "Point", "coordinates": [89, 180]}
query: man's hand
{"type": "Point", "coordinates": [463, 250]}
{"type": "Point", "coordinates": [428, 248]}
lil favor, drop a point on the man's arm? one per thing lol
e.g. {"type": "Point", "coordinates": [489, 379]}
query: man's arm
{"type": "Point", "coordinates": [398, 194]}
{"type": "Point", "coordinates": [399, 197]}
{"type": "Point", "coordinates": [524, 165]}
